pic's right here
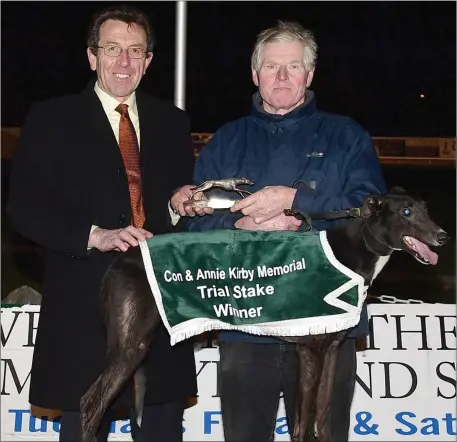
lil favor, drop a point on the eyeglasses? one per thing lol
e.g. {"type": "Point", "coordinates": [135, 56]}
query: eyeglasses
{"type": "Point", "coordinates": [115, 51]}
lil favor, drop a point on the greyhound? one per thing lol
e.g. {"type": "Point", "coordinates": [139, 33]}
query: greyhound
{"type": "Point", "coordinates": [393, 222]}
{"type": "Point", "coordinates": [230, 184]}
{"type": "Point", "coordinates": [387, 223]}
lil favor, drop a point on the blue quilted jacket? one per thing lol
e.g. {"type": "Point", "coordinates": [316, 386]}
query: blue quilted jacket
{"type": "Point", "coordinates": [331, 155]}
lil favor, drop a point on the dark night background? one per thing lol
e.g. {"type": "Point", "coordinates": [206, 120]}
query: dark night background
{"type": "Point", "coordinates": [375, 60]}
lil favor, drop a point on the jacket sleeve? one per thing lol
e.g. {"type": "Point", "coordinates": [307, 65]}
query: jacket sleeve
{"type": "Point", "coordinates": [208, 167]}
{"type": "Point", "coordinates": [361, 174]}
{"type": "Point", "coordinates": [36, 205]}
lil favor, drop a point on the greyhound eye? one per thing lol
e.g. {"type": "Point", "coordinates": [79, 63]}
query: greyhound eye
{"type": "Point", "coordinates": [406, 211]}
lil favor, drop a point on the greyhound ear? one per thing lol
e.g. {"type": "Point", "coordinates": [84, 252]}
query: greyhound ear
{"type": "Point", "coordinates": [398, 190]}
{"type": "Point", "coordinates": [371, 204]}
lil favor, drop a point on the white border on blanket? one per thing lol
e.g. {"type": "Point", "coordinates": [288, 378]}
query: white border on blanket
{"type": "Point", "coordinates": [332, 297]}
{"type": "Point", "coordinates": [291, 327]}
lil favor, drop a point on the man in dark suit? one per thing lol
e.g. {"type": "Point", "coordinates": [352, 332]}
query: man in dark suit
{"type": "Point", "coordinates": [92, 176]}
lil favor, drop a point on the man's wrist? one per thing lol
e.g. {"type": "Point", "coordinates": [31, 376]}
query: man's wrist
{"type": "Point", "coordinates": [290, 202]}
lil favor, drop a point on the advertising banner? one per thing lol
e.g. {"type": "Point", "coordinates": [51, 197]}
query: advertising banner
{"type": "Point", "coordinates": [405, 390]}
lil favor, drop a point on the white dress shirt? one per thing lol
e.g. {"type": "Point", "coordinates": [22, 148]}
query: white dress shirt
{"type": "Point", "coordinates": [109, 106]}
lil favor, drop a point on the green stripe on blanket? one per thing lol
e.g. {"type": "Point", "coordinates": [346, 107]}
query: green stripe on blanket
{"type": "Point", "coordinates": [264, 283]}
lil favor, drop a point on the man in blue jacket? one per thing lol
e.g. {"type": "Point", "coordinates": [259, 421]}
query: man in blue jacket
{"type": "Point", "coordinates": [284, 140]}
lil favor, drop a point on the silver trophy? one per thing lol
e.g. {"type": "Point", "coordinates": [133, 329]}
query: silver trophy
{"type": "Point", "coordinates": [216, 201]}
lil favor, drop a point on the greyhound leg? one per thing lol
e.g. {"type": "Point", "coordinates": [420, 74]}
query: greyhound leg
{"type": "Point", "coordinates": [90, 402]}
{"type": "Point", "coordinates": [108, 385]}
{"type": "Point", "coordinates": [139, 379]}
{"type": "Point", "coordinates": [241, 191]}
{"type": "Point", "coordinates": [201, 188]}
{"type": "Point", "coordinates": [130, 317]}
{"type": "Point", "coordinates": [309, 369]}
{"type": "Point", "coordinates": [324, 393]}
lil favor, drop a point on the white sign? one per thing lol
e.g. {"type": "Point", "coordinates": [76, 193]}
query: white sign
{"type": "Point", "coordinates": [406, 380]}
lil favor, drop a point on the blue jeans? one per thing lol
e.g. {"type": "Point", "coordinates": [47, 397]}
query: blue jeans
{"type": "Point", "coordinates": [251, 378]}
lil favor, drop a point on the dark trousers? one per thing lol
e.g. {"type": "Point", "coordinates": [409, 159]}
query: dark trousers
{"type": "Point", "coordinates": [251, 378]}
{"type": "Point", "coordinates": [160, 423]}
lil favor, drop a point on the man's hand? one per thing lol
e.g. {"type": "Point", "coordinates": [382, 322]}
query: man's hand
{"type": "Point", "coordinates": [119, 239]}
{"type": "Point", "coordinates": [182, 195]}
{"type": "Point", "coordinates": [266, 203]}
{"type": "Point", "coordinates": [179, 197]}
{"type": "Point", "coordinates": [280, 222]}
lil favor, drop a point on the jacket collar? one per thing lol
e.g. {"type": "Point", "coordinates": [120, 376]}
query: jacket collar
{"type": "Point", "coordinates": [306, 110]}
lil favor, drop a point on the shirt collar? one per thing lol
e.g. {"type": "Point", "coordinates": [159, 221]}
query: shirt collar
{"type": "Point", "coordinates": [109, 103]}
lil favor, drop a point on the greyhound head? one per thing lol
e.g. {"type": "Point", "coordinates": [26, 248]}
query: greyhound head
{"type": "Point", "coordinates": [403, 223]}
{"type": "Point", "coordinates": [243, 180]}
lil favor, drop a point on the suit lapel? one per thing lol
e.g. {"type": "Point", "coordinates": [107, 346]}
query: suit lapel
{"type": "Point", "coordinates": [107, 148]}
{"type": "Point", "coordinates": [105, 152]}
{"type": "Point", "coordinates": [146, 128]}
{"type": "Point", "coordinates": [153, 151]}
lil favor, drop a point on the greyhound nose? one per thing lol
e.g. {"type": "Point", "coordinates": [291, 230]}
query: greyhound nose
{"type": "Point", "coordinates": [442, 238]}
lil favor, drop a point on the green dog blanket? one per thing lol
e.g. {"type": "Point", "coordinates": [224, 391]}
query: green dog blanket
{"type": "Point", "coordinates": [264, 283]}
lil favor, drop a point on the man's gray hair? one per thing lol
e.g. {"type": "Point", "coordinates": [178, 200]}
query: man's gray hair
{"type": "Point", "coordinates": [286, 31]}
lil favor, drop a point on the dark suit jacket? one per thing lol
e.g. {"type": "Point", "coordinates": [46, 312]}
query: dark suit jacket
{"type": "Point", "coordinates": [68, 175]}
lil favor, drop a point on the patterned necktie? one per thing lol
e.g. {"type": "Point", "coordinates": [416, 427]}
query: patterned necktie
{"type": "Point", "coordinates": [128, 144]}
